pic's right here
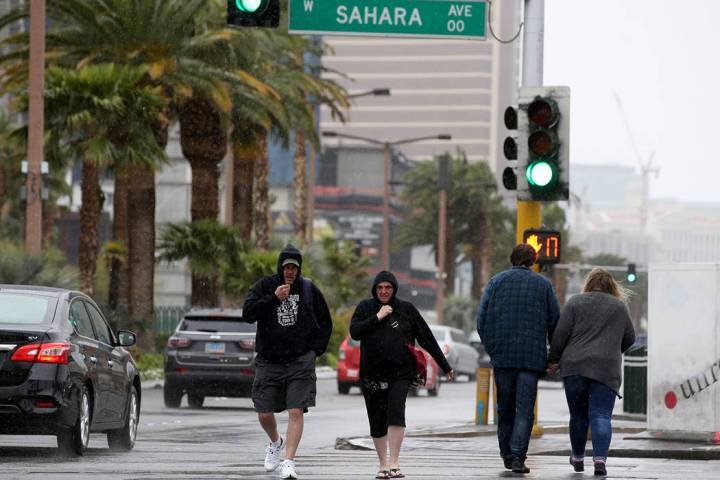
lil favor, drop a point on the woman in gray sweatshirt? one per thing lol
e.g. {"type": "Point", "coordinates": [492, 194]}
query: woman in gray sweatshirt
{"type": "Point", "coordinates": [593, 332]}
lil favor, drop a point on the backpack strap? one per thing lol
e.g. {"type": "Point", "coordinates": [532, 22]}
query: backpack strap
{"type": "Point", "coordinates": [307, 298]}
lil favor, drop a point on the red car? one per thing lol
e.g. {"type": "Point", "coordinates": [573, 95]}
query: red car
{"type": "Point", "coordinates": [348, 369]}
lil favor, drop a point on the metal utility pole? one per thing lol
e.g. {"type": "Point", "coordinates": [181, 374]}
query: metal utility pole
{"type": "Point", "coordinates": [443, 174]}
{"type": "Point", "coordinates": [33, 185]}
{"type": "Point", "coordinates": [528, 212]}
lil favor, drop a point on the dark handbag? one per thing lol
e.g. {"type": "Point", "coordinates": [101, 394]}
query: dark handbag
{"type": "Point", "coordinates": [420, 377]}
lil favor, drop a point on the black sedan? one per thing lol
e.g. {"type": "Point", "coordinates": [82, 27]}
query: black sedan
{"type": "Point", "coordinates": [63, 371]}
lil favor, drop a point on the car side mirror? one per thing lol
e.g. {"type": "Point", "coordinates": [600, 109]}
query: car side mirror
{"type": "Point", "coordinates": [126, 338]}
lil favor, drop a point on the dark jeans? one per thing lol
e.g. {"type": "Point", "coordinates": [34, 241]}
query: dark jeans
{"type": "Point", "coordinates": [516, 393]}
{"type": "Point", "coordinates": [590, 403]}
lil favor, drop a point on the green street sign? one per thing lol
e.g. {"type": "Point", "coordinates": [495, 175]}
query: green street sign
{"type": "Point", "coordinates": [390, 18]}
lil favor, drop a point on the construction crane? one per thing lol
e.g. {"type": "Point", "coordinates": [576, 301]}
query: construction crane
{"type": "Point", "coordinates": [646, 168]}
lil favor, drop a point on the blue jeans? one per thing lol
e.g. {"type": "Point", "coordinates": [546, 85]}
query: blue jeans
{"type": "Point", "coordinates": [590, 403]}
{"type": "Point", "coordinates": [516, 393]}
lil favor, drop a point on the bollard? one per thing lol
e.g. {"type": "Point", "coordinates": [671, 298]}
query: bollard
{"type": "Point", "coordinates": [482, 395]}
{"type": "Point", "coordinates": [537, 430]}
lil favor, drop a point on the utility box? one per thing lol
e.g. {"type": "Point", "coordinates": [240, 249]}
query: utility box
{"type": "Point", "coordinates": [684, 351]}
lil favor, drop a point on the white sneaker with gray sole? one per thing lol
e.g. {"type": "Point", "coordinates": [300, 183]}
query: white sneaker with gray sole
{"type": "Point", "coordinates": [287, 470]}
{"type": "Point", "coordinates": [272, 455]}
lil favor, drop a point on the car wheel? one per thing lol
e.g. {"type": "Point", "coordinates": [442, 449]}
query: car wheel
{"type": "Point", "coordinates": [472, 376]}
{"type": "Point", "coordinates": [413, 392]}
{"type": "Point", "coordinates": [172, 396]}
{"type": "Point", "coordinates": [195, 401]}
{"type": "Point", "coordinates": [75, 440]}
{"type": "Point", "coordinates": [124, 438]}
{"type": "Point", "coordinates": [343, 388]}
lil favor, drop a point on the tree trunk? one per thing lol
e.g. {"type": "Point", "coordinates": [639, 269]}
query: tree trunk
{"type": "Point", "coordinates": [118, 295]}
{"type": "Point", "coordinates": [204, 144]}
{"type": "Point", "coordinates": [141, 251]}
{"type": "Point", "coordinates": [89, 218]}
{"type": "Point", "coordinates": [480, 255]}
{"type": "Point", "coordinates": [300, 187]}
{"type": "Point", "coordinates": [262, 198]}
{"type": "Point", "coordinates": [244, 155]}
{"type": "Point", "coordinates": [449, 254]}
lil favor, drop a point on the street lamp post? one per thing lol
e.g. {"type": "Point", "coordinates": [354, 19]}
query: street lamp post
{"type": "Point", "coordinates": [310, 214]}
{"type": "Point", "coordinates": [387, 146]}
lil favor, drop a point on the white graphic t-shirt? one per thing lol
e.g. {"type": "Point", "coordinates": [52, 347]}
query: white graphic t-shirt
{"type": "Point", "coordinates": [287, 312]}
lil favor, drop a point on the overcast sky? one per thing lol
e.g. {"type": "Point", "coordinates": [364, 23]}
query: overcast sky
{"type": "Point", "coordinates": [662, 58]}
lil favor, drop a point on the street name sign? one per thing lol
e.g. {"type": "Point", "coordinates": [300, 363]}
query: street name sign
{"type": "Point", "coordinates": [464, 19]}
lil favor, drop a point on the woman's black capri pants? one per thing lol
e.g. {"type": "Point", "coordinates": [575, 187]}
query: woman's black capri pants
{"type": "Point", "coordinates": [386, 407]}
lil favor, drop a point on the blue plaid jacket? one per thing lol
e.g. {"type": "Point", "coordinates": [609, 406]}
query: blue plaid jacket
{"type": "Point", "coordinates": [517, 317]}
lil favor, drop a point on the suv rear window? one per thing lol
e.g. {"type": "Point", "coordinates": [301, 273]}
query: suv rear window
{"type": "Point", "coordinates": [24, 309]}
{"type": "Point", "coordinates": [211, 324]}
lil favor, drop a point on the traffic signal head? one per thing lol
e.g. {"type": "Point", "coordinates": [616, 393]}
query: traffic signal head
{"type": "Point", "coordinates": [253, 13]}
{"type": "Point", "coordinates": [631, 275]}
{"type": "Point", "coordinates": [543, 140]}
{"type": "Point", "coordinates": [510, 149]}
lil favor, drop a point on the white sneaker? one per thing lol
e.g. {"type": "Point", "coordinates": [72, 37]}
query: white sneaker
{"type": "Point", "coordinates": [272, 455]}
{"type": "Point", "coordinates": [287, 469]}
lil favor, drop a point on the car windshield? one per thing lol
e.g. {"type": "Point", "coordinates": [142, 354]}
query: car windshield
{"type": "Point", "coordinates": [352, 342]}
{"type": "Point", "coordinates": [208, 324]}
{"type": "Point", "coordinates": [24, 309]}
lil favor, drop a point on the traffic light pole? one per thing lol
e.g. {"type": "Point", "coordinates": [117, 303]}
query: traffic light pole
{"type": "Point", "coordinates": [528, 213]}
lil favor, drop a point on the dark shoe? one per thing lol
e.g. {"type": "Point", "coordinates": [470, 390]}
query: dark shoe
{"type": "Point", "coordinates": [507, 461]}
{"type": "Point", "coordinates": [600, 470]}
{"type": "Point", "coordinates": [578, 465]}
{"type": "Point", "coordinates": [518, 466]}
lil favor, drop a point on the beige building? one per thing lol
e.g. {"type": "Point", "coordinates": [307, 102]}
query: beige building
{"type": "Point", "coordinates": [438, 86]}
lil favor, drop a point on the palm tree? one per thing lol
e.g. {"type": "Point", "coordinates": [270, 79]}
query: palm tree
{"type": "Point", "coordinates": [171, 39]}
{"type": "Point", "coordinates": [298, 91]}
{"type": "Point", "coordinates": [82, 108]}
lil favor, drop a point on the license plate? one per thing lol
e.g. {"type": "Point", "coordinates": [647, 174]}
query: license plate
{"type": "Point", "coordinates": [215, 347]}
{"type": "Point", "coordinates": [353, 372]}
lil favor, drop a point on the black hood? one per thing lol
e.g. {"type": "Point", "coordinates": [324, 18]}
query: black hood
{"type": "Point", "coordinates": [385, 276]}
{"type": "Point", "coordinates": [290, 251]}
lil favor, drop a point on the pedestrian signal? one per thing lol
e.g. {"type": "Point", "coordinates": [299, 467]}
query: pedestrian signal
{"type": "Point", "coordinates": [546, 243]}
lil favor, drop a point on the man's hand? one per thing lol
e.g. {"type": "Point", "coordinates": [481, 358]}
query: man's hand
{"type": "Point", "coordinates": [552, 368]}
{"type": "Point", "coordinates": [282, 292]}
{"type": "Point", "coordinates": [384, 311]}
{"type": "Point", "coordinates": [451, 375]}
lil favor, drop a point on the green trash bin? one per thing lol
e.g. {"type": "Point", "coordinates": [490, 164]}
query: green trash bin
{"type": "Point", "coordinates": [635, 380]}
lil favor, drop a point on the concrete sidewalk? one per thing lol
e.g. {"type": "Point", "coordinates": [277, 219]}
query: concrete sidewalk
{"type": "Point", "coordinates": [630, 436]}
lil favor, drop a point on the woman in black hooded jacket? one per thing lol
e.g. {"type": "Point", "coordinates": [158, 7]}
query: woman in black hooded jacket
{"type": "Point", "coordinates": [385, 325]}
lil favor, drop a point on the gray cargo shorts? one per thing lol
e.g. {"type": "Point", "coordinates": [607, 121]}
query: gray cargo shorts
{"type": "Point", "coordinates": [280, 386]}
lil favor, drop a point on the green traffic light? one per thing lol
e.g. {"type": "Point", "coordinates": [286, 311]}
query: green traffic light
{"type": "Point", "coordinates": [631, 277]}
{"type": "Point", "coordinates": [249, 6]}
{"type": "Point", "coordinates": [540, 174]}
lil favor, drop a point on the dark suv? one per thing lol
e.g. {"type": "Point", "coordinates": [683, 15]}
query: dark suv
{"type": "Point", "coordinates": [210, 354]}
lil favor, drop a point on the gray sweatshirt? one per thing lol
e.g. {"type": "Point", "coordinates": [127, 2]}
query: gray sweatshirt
{"type": "Point", "coordinates": [593, 332]}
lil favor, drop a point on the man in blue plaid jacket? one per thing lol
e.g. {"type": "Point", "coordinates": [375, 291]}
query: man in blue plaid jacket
{"type": "Point", "coordinates": [518, 314]}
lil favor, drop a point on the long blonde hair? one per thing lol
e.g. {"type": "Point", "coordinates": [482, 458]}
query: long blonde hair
{"type": "Point", "coordinates": [599, 280]}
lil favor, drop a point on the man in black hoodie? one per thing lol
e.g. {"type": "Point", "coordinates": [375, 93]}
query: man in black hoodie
{"type": "Point", "coordinates": [293, 328]}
